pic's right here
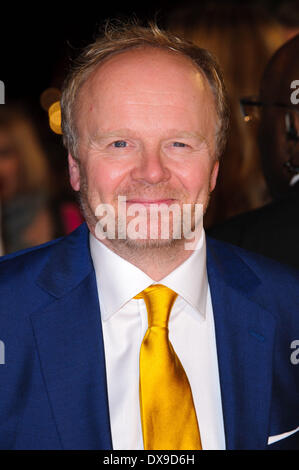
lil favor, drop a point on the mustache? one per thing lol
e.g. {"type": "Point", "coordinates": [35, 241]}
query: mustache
{"type": "Point", "coordinates": [150, 192]}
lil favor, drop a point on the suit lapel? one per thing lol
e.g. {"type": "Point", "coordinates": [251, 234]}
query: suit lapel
{"type": "Point", "coordinates": [70, 343]}
{"type": "Point", "coordinates": [244, 336]}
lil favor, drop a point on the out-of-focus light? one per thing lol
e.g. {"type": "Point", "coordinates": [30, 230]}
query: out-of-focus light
{"type": "Point", "coordinates": [48, 97]}
{"type": "Point", "coordinates": [55, 117]}
{"type": "Point", "coordinates": [247, 118]}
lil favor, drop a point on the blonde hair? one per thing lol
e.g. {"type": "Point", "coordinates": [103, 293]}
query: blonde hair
{"type": "Point", "coordinates": [119, 37]}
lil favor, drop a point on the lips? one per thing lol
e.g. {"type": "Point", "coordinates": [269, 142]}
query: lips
{"type": "Point", "coordinates": [148, 202]}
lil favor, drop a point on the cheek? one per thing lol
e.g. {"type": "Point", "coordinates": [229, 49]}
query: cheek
{"type": "Point", "coordinates": [271, 133]}
{"type": "Point", "coordinates": [104, 178]}
{"type": "Point", "coordinates": [195, 177]}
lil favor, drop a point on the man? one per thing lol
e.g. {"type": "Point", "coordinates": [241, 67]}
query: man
{"type": "Point", "coordinates": [273, 230]}
{"type": "Point", "coordinates": [89, 362]}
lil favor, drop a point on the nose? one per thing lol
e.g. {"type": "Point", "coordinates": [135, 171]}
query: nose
{"type": "Point", "coordinates": [151, 168]}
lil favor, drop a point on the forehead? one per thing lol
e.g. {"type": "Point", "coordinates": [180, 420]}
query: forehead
{"type": "Point", "coordinates": [148, 75]}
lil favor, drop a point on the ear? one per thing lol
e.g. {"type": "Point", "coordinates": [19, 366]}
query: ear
{"type": "Point", "coordinates": [74, 173]}
{"type": "Point", "coordinates": [214, 175]}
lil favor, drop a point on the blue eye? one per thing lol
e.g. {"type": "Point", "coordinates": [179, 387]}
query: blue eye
{"type": "Point", "coordinates": [179, 144]}
{"type": "Point", "coordinates": [119, 143]}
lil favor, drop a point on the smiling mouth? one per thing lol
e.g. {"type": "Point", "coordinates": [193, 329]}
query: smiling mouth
{"type": "Point", "coordinates": [148, 202]}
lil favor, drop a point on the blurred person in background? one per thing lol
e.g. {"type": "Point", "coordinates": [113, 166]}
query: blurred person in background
{"type": "Point", "coordinates": [273, 230]}
{"type": "Point", "coordinates": [286, 12]}
{"type": "Point", "coordinates": [243, 38]}
{"type": "Point", "coordinates": [24, 183]}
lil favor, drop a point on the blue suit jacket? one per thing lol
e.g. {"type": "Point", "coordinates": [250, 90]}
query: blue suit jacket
{"type": "Point", "coordinates": [53, 392]}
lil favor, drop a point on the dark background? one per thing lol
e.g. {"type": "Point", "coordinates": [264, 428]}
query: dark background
{"type": "Point", "coordinates": [36, 44]}
{"type": "Point", "coordinates": [35, 41]}
{"type": "Point", "coordinates": [38, 39]}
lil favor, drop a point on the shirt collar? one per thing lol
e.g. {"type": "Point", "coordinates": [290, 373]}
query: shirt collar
{"type": "Point", "coordinates": [119, 281]}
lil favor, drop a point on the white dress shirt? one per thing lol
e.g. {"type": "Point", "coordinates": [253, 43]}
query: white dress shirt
{"type": "Point", "coordinates": [191, 332]}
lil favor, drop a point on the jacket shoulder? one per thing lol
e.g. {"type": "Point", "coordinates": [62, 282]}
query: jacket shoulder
{"type": "Point", "coordinates": [18, 272]}
{"type": "Point", "coordinates": [274, 286]}
{"type": "Point", "coordinates": [17, 263]}
{"type": "Point", "coordinates": [261, 265]}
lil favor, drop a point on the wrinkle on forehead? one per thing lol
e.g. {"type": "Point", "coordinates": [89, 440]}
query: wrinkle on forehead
{"type": "Point", "coordinates": [101, 133]}
{"type": "Point", "coordinates": [145, 96]}
{"type": "Point", "coordinates": [168, 86]}
{"type": "Point", "coordinates": [150, 68]}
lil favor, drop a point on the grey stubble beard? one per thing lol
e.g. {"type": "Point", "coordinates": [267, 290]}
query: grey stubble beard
{"type": "Point", "coordinates": [153, 249]}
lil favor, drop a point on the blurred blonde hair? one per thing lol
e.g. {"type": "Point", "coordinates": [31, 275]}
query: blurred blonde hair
{"type": "Point", "coordinates": [34, 168]}
{"type": "Point", "coordinates": [242, 38]}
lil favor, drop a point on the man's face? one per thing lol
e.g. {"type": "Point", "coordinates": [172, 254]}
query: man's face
{"type": "Point", "coordinates": [146, 123]}
{"type": "Point", "coordinates": [274, 149]}
{"type": "Point", "coordinates": [275, 145]}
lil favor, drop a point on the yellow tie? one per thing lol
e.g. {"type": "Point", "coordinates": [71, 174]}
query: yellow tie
{"type": "Point", "coordinates": [167, 410]}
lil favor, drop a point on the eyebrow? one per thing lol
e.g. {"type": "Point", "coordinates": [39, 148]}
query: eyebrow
{"type": "Point", "coordinates": [99, 135]}
{"type": "Point", "coordinates": [186, 134]}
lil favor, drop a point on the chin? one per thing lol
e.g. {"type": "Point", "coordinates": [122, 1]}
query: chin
{"type": "Point", "coordinates": [145, 244]}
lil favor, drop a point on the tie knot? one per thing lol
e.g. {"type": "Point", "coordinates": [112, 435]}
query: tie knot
{"type": "Point", "coordinates": [159, 300]}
